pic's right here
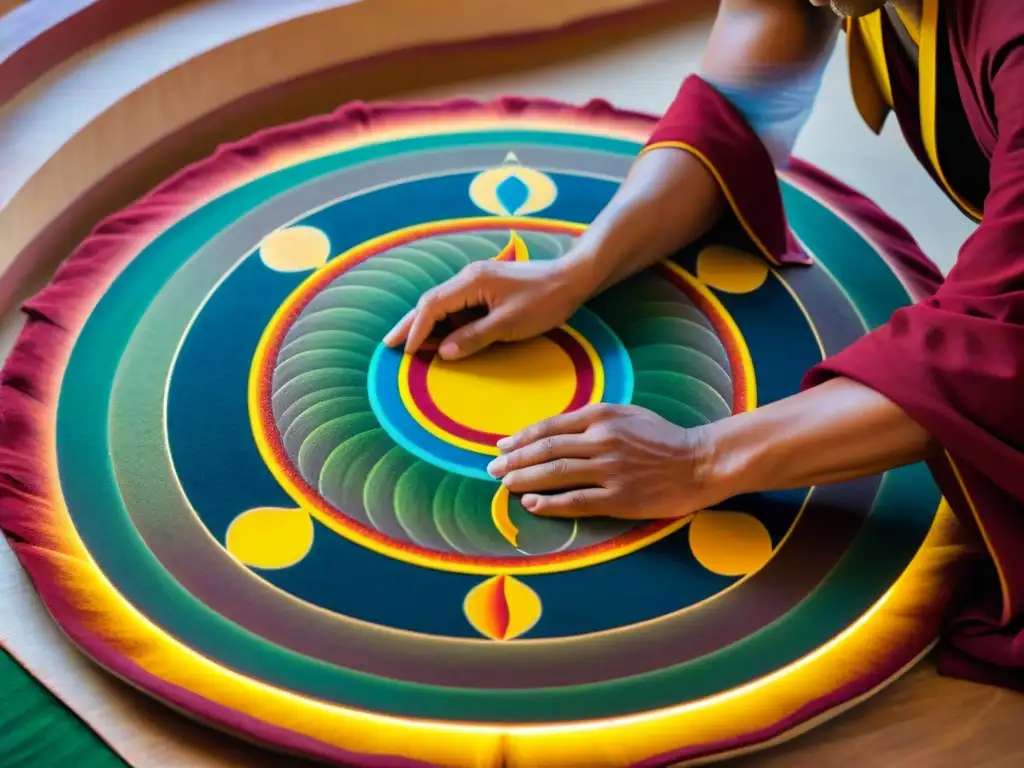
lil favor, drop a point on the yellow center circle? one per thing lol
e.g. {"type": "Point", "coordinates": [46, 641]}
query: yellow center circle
{"type": "Point", "coordinates": [504, 388]}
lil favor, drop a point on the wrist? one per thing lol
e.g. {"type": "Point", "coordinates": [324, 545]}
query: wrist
{"type": "Point", "coordinates": [588, 269]}
{"type": "Point", "coordinates": [728, 457]}
{"type": "Point", "coordinates": [826, 434]}
{"type": "Point", "coordinates": [705, 472]}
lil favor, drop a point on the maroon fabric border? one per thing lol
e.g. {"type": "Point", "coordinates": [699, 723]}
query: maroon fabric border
{"type": "Point", "coordinates": [30, 380]}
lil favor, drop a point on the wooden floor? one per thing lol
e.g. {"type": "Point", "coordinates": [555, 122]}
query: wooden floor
{"type": "Point", "coordinates": [921, 721]}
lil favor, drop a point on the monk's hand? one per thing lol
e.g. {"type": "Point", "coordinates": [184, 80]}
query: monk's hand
{"type": "Point", "coordinates": [607, 460]}
{"type": "Point", "coordinates": [493, 301]}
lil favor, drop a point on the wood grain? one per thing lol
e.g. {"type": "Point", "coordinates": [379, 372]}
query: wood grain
{"type": "Point", "coordinates": [9, 5]}
{"type": "Point", "coordinates": [254, 82]}
{"type": "Point", "coordinates": [38, 36]}
{"type": "Point", "coordinates": [52, 166]}
{"type": "Point", "coordinates": [920, 721]}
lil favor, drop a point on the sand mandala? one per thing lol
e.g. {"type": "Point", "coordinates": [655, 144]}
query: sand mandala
{"type": "Point", "coordinates": [254, 510]}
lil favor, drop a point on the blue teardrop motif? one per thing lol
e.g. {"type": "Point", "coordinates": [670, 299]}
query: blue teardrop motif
{"type": "Point", "coordinates": [512, 194]}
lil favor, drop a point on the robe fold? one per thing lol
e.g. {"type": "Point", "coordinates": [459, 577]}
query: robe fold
{"type": "Point", "coordinates": [704, 123]}
{"type": "Point", "coordinates": [953, 361]}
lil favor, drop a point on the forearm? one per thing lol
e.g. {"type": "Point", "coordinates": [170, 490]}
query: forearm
{"type": "Point", "coordinates": [668, 200]}
{"type": "Point", "coordinates": [840, 430]}
{"type": "Point", "coordinates": [671, 197]}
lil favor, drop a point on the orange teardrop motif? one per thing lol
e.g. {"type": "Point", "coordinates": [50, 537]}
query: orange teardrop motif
{"type": "Point", "coordinates": [502, 608]}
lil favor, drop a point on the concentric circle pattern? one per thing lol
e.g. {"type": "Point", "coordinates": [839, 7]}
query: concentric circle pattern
{"type": "Point", "coordinates": [335, 389]}
{"type": "Point", "coordinates": [266, 517]}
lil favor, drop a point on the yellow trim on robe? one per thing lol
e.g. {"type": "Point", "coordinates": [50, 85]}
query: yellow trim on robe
{"type": "Point", "coordinates": [868, 32]}
{"type": "Point", "coordinates": [928, 98]}
{"type": "Point", "coordinates": [872, 87]}
{"type": "Point", "coordinates": [1004, 583]}
{"type": "Point", "coordinates": [871, 29]}
{"type": "Point", "coordinates": [912, 25]}
{"type": "Point", "coordinates": [873, 102]}
{"type": "Point", "coordinates": [722, 185]}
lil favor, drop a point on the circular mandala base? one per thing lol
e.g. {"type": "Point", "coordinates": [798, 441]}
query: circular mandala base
{"type": "Point", "coordinates": [246, 505]}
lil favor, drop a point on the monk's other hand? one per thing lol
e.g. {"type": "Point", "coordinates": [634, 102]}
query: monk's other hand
{"type": "Point", "coordinates": [607, 460]}
{"type": "Point", "coordinates": [514, 301]}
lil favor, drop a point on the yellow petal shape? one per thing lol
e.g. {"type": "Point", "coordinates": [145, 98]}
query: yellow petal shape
{"type": "Point", "coordinates": [730, 543]}
{"type": "Point", "coordinates": [295, 249]}
{"type": "Point", "coordinates": [502, 608]}
{"type": "Point", "coordinates": [499, 514]}
{"type": "Point", "coordinates": [541, 190]}
{"type": "Point", "coordinates": [270, 537]}
{"type": "Point", "coordinates": [730, 270]}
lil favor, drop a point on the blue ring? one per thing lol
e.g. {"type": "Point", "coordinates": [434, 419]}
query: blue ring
{"type": "Point", "coordinates": [387, 405]}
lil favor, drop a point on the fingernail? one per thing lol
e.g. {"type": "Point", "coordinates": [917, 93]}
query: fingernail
{"type": "Point", "coordinates": [504, 444]}
{"type": "Point", "coordinates": [448, 349]}
{"type": "Point", "coordinates": [529, 502]}
{"type": "Point", "coordinates": [497, 467]}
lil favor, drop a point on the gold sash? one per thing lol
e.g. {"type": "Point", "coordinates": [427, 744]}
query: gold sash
{"type": "Point", "coordinates": [872, 89]}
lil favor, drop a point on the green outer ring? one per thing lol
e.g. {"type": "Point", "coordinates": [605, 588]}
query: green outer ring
{"type": "Point", "coordinates": [122, 555]}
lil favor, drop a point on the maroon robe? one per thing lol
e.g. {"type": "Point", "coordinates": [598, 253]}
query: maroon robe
{"type": "Point", "coordinates": [954, 361]}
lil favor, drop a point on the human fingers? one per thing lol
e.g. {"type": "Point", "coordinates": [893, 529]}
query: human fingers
{"type": "Point", "coordinates": [581, 502]}
{"type": "Point", "coordinates": [473, 336]}
{"type": "Point", "coordinates": [576, 446]}
{"type": "Point", "coordinates": [556, 475]}
{"type": "Point", "coordinates": [454, 295]}
{"type": "Point", "coordinates": [400, 331]}
{"type": "Point", "coordinates": [562, 424]}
